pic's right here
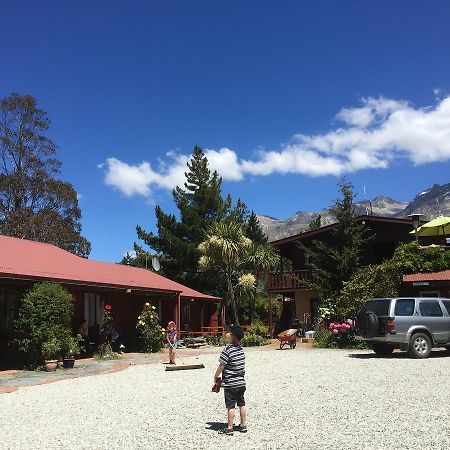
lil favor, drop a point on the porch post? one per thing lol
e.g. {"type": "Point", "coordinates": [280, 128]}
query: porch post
{"type": "Point", "coordinates": [270, 313]}
{"type": "Point", "coordinates": [178, 311]}
{"type": "Point", "coordinates": [224, 308]}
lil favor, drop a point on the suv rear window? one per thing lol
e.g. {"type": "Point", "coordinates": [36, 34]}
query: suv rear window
{"type": "Point", "coordinates": [380, 306]}
{"type": "Point", "coordinates": [430, 308]}
{"type": "Point", "coordinates": [405, 307]}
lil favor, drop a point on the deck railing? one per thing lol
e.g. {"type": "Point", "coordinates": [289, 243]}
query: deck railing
{"type": "Point", "coordinates": [294, 279]}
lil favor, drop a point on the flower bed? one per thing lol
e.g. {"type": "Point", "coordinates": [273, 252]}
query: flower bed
{"type": "Point", "coordinates": [337, 335]}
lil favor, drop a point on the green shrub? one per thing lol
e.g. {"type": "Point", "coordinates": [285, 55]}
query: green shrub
{"type": "Point", "coordinates": [72, 346]}
{"type": "Point", "coordinates": [410, 258]}
{"type": "Point", "coordinates": [51, 349]}
{"type": "Point", "coordinates": [150, 333]}
{"type": "Point", "coordinates": [253, 340]}
{"type": "Point", "coordinates": [44, 321]}
{"type": "Point", "coordinates": [258, 329]}
{"type": "Point", "coordinates": [214, 339]}
{"type": "Point", "coordinates": [369, 282]}
{"type": "Point", "coordinates": [105, 353]}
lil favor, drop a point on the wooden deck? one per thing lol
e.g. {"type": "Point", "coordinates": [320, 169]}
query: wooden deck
{"type": "Point", "coordinates": [294, 279]}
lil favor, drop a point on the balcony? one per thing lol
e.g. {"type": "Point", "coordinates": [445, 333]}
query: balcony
{"type": "Point", "coordinates": [294, 279]}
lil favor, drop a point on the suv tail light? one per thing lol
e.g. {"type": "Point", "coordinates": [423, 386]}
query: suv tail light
{"type": "Point", "coordinates": [390, 325]}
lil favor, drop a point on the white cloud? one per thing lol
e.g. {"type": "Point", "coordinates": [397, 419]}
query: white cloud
{"type": "Point", "coordinates": [371, 136]}
{"type": "Point", "coordinates": [130, 253]}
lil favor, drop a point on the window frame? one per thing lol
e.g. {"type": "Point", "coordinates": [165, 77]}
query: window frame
{"type": "Point", "coordinates": [9, 308]}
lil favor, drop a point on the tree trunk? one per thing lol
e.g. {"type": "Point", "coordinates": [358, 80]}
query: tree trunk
{"type": "Point", "coordinates": [232, 300]}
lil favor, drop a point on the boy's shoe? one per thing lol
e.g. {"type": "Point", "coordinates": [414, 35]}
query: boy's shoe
{"type": "Point", "coordinates": [242, 429]}
{"type": "Point", "coordinates": [226, 431]}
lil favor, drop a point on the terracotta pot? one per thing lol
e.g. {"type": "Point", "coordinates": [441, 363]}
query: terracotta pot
{"type": "Point", "coordinates": [68, 363]}
{"type": "Point", "coordinates": [51, 365]}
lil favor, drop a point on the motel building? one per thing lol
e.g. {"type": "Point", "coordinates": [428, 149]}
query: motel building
{"type": "Point", "coordinates": [94, 284]}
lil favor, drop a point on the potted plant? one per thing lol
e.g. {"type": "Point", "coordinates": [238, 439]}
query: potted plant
{"type": "Point", "coordinates": [72, 348]}
{"type": "Point", "coordinates": [50, 351]}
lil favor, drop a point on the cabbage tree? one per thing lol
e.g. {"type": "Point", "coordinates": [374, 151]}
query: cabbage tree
{"type": "Point", "coordinates": [225, 251]}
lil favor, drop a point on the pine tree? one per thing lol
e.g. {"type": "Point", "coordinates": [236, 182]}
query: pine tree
{"type": "Point", "coordinates": [336, 261]}
{"type": "Point", "coordinates": [200, 203]}
{"type": "Point", "coordinates": [315, 224]}
{"type": "Point", "coordinates": [254, 231]}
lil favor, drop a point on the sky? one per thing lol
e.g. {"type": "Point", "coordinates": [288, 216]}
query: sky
{"type": "Point", "coordinates": [285, 98]}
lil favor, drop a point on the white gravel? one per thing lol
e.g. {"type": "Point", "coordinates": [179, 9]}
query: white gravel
{"type": "Point", "coordinates": [302, 399]}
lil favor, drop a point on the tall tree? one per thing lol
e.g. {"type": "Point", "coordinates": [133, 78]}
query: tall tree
{"type": "Point", "coordinates": [254, 231]}
{"type": "Point", "coordinates": [336, 261]}
{"type": "Point", "coordinates": [34, 204]}
{"type": "Point", "coordinates": [315, 224]}
{"type": "Point", "coordinates": [200, 203]}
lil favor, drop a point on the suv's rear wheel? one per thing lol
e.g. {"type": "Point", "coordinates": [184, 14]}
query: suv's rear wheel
{"type": "Point", "coordinates": [419, 346]}
{"type": "Point", "coordinates": [383, 349]}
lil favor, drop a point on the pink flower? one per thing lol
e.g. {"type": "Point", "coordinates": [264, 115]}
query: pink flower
{"type": "Point", "coordinates": [335, 331]}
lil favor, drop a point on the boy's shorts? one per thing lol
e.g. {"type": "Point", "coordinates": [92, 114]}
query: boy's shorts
{"type": "Point", "coordinates": [234, 396]}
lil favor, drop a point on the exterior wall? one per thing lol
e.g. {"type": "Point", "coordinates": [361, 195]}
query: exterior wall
{"type": "Point", "coordinates": [303, 300]}
{"type": "Point", "coordinates": [441, 289]}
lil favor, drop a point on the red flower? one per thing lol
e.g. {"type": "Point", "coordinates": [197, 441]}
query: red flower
{"type": "Point", "coordinates": [108, 307]}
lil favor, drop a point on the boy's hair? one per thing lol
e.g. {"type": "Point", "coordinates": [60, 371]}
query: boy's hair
{"type": "Point", "coordinates": [236, 341]}
{"type": "Point", "coordinates": [237, 332]}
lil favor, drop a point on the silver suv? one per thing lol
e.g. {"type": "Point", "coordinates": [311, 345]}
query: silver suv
{"type": "Point", "coordinates": [412, 324]}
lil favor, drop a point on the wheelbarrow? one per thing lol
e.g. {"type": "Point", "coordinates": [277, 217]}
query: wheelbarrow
{"type": "Point", "coordinates": [288, 337]}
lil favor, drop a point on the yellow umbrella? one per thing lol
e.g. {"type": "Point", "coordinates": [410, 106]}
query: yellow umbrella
{"type": "Point", "coordinates": [436, 227]}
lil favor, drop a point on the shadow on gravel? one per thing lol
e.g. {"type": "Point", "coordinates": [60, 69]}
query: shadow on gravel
{"type": "Point", "coordinates": [215, 426]}
{"type": "Point", "coordinates": [397, 355]}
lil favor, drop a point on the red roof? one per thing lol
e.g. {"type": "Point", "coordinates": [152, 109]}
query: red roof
{"type": "Point", "coordinates": [432, 276]}
{"type": "Point", "coordinates": [28, 259]}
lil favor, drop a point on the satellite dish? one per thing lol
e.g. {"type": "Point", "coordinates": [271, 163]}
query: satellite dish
{"type": "Point", "coordinates": [156, 264]}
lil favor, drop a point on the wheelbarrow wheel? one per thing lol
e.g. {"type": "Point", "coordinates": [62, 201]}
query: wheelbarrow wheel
{"type": "Point", "coordinates": [293, 344]}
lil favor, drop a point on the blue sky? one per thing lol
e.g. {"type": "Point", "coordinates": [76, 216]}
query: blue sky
{"type": "Point", "coordinates": [287, 96]}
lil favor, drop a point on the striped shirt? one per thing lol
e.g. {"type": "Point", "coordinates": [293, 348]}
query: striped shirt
{"type": "Point", "coordinates": [233, 358]}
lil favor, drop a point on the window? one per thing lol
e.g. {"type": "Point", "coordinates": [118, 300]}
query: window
{"type": "Point", "coordinates": [9, 308]}
{"type": "Point", "coordinates": [186, 313]}
{"type": "Point", "coordinates": [430, 308]}
{"type": "Point", "coordinates": [380, 306]}
{"type": "Point", "coordinates": [404, 307]}
{"type": "Point", "coordinates": [447, 305]}
{"type": "Point", "coordinates": [92, 308]}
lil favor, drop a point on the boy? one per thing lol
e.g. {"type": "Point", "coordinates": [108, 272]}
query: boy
{"type": "Point", "coordinates": [232, 368]}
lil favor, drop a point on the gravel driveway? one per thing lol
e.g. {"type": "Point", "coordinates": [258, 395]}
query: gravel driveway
{"type": "Point", "coordinates": [301, 399]}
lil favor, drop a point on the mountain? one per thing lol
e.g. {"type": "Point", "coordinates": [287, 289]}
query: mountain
{"type": "Point", "coordinates": [432, 203]}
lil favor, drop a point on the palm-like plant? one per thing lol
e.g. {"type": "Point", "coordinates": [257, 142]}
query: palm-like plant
{"type": "Point", "coordinates": [261, 258]}
{"type": "Point", "coordinates": [225, 248]}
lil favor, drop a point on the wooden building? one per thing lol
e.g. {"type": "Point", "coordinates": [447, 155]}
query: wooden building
{"type": "Point", "coordinates": [94, 284]}
{"type": "Point", "coordinates": [435, 284]}
{"type": "Point", "coordinates": [290, 284]}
